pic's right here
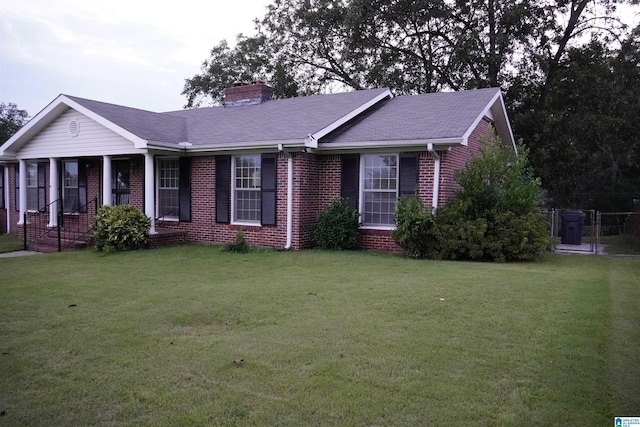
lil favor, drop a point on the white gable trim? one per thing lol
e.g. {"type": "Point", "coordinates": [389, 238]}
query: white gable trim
{"type": "Point", "coordinates": [49, 114]}
{"type": "Point", "coordinates": [311, 141]}
{"type": "Point", "coordinates": [495, 109]}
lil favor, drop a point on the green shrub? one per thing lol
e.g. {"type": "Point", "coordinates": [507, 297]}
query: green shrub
{"type": "Point", "coordinates": [240, 245]}
{"type": "Point", "coordinates": [337, 227]}
{"type": "Point", "coordinates": [120, 228]}
{"type": "Point", "coordinates": [415, 228]}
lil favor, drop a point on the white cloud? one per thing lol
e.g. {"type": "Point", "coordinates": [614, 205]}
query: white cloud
{"type": "Point", "coordinates": [131, 52]}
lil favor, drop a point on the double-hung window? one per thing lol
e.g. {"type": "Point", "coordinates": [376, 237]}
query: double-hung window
{"type": "Point", "coordinates": [168, 188]}
{"type": "Point", "coordinates": [70, 187]}
{"type": "Point", "coordinates": [247, 189]}
{"type": "Point", "coordinates": [32, 186]}
{"type": "Point", "coordinates": [379, 189]}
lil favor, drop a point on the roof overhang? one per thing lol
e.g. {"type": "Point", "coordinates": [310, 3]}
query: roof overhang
{"type": "Point", "coordinates": [496, 110]}
{"type": "Point", "coordinates": [394, 145]}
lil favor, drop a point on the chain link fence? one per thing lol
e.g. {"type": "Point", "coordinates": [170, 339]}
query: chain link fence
{"type": "Point", "coordinates": [592, 232]}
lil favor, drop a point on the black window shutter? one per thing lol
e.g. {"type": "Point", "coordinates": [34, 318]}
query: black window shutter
{"type": "Point", "coordinates": [82, 185]}
{"type": "Point", "coordinates": [223, 188]}
{"type": "Point", "coordinates": [408, 174]}
{"type": "Point", "coordinates": [185, 189]}
{"type": "Point", "coordinates": [42, 193]}
{"type": "Point", "coordinates": [350, 180]}
{"type": "Point", "coordinates": [269, 183]}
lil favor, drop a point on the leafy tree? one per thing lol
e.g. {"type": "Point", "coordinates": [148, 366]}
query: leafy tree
{"type": "Point", "coordinates": [11, 120]}
{"type": "Point", "coordinates": [495, 214]}
{"type": "Point", "coordinates": [249, 60]}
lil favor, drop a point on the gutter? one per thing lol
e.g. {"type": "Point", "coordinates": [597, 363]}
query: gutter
{"type": "Point", "coordinates": [436, 176]}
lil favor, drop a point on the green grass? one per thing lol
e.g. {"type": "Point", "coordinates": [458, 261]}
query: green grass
{"type": "Point", "coordinates": [10, 243]}
{"type": "Point", "coordinates": [624, 244]}
{"type": "Point", "coordinates": [328, 338]}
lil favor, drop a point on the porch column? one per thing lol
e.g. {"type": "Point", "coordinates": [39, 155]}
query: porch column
{"type": "Point", "coordinates": [23, 190]}
{"type": "Point", "coordinates": [149, 191]}
{"type": "Point", "coordinates": [54, 192]}
{"type": "Point", "coordinates": [107, 195]}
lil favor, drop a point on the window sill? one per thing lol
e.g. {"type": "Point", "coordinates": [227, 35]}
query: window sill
{"type": "Point", "coordinates": [247, 224]}
{"type": "Point", "coordinates": [378, 227]}
{"type": "Point", "coordinates": [168, 219]}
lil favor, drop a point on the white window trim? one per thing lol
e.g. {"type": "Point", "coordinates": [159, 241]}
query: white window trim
{"type": "Point", "coordinates": [361, 203]}
{"type": "Point", "coordinates": [173, 218]}
{"type": "Point", "coordinates": [28, 164]}
{"type": "Point", "coordinates": [64, 181]}
{"type": "Point", "coordinates": [234, 221]}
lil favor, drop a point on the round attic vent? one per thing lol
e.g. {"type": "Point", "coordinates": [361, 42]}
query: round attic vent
{"type": "Point", "coordinates": [74, 128]}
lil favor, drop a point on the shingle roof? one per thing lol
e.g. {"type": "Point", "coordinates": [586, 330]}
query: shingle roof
{"type": "Point", "coordinates": [419, 117]}
{"type": "Point", "coordinates": [147, 125]}
{"type": "Point", "coordinates": [277, 120]}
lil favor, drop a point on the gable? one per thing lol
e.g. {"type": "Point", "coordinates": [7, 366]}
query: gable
{"type": "Point", "coordinates": [92, 139]}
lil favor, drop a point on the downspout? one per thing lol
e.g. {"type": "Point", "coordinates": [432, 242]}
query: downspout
{"type": "Point", "coordinates": [289, 197]}
{"type": "Point", "coordinates": [436, 176]}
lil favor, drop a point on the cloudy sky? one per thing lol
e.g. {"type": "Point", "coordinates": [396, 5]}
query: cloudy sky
{"type": "Point", "coordinates": [130, 52]}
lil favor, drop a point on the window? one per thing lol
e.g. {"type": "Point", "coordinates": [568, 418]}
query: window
{"type": "Point", "coordinates": [32, 186]}
{"type": "Point", "coordinates": [379, 189]}
{"type": "Point", "coordinates": [168, 188]}
{"type": "Point", "coordinates": [247, 189]}
{"type": "Point", "coordinates": [70, 187]}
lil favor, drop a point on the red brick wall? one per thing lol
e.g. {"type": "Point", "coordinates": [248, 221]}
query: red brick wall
{"type": "Point", "coordinates": [457, 159]}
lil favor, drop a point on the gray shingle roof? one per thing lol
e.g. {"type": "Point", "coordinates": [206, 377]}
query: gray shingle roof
{"type": "Point", "coordinates": [417, 117]}
{"type": "Point", "coordinates": [147, 125]}
{"type": "Point", "coordinates": [277, 120]}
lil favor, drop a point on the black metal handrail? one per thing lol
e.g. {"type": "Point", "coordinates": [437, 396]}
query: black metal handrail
{"type": "Point", "coordinates": [36, 229]}
{"type": "Point", "coordinates": [77, 230]}
{"type": "Point", "coordinates": [32, 224]}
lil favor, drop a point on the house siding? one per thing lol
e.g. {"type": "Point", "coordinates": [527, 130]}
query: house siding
{"type": "Point", "coordinates": [93, 139]}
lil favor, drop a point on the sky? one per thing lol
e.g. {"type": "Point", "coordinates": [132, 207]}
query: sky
{"type": "Point", "coordinates": [136, 53]}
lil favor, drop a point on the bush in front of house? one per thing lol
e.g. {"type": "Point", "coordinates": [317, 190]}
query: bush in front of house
{"type": "Point", "coordinates": [494, 216]}
{"type": "Point", "coordinates": [415, 230]}
{"type": "Point", "coordinates": [337, 227]}
{"type": "Point", "coordinates": [120, 228]}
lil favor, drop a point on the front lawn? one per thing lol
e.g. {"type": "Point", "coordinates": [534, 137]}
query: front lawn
{"type": "Point", "coordinates": [10, 243]}
{"type": "Point", "coordinates": [327, 338]}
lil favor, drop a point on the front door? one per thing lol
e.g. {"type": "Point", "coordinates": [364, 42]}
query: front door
{"type": "Point", "coordinates": [120, 170]}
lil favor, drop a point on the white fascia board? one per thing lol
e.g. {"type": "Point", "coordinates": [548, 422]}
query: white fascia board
{"type": "Point", "coordinates": [394, 145]}
{"type": "Point", "coordinates": [248, 145]}
{"type": "Point", "coordinates": [497, 111]}
{"type": "Point", "coordinates": [137, 141]}
{"type": "Point", "coordinates": [312, 140]}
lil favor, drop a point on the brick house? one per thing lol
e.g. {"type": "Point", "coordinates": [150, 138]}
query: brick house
{"type": "Point", "coordinates": [266, 166]}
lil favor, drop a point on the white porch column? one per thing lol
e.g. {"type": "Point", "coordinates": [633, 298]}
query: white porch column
{"type": "Point", "coordinates": [107, 195]}
{"type": "Point", "coordinates": [149, 191]}
{"type": "Point", "coordinates": [54, 192]}
{"type": "Point", "coordinates": [23, 191]}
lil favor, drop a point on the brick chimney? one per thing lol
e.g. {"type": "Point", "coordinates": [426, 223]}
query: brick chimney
{"type": "Point", "coordinates": [255, 92]}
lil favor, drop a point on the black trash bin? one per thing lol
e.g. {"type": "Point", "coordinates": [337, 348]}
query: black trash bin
{"type": "Point", "coordinates": [572, 228]}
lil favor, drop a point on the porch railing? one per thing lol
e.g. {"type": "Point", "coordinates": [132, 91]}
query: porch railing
{"type": "Point", "coordinates": [72, 226]}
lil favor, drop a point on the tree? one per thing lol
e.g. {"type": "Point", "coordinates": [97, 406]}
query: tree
{"type": "Point", "coordinates": [495, 214]}
{"type": "Point", "coordinates": [249, 60]}
{"type": "Point", "coordinates": [11, 120]}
